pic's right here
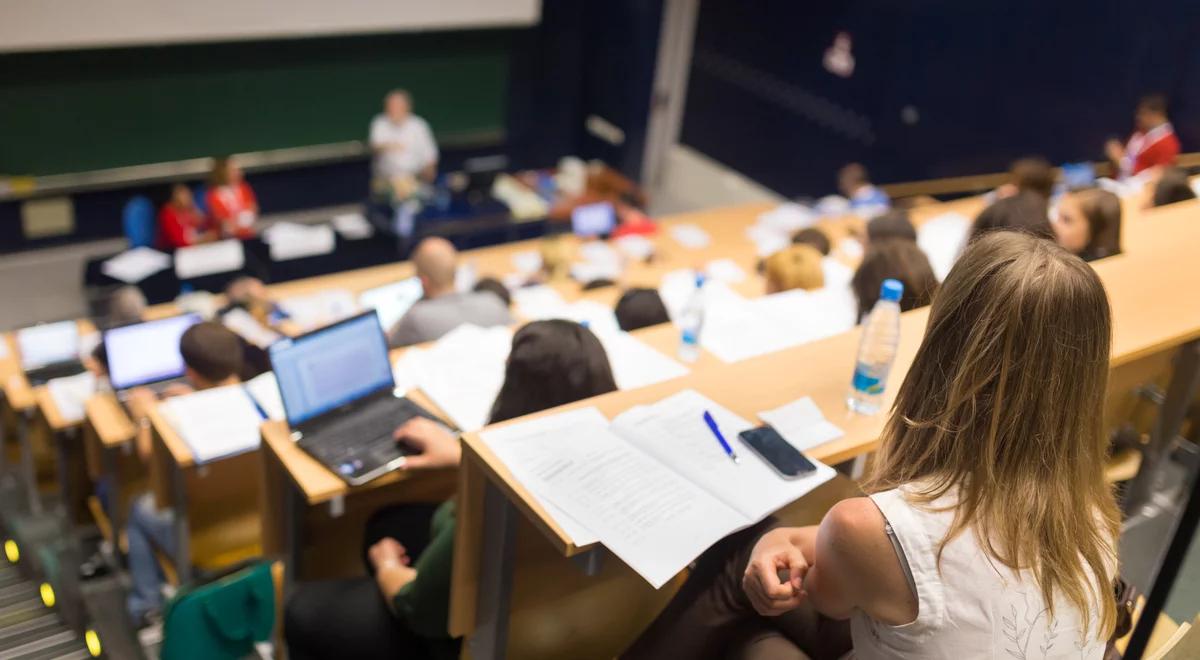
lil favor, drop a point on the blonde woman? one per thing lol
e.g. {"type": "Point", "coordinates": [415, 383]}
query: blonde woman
{"type": "Point", "coordinates": [794, 267]}
{"type": "Point", "coordinates": [988, 530]}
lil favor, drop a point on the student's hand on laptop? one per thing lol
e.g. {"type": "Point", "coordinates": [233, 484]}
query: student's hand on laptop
{"type": "Point", "coordinates": [435, 446]}
{"type": "Point", "coordinates": [177, 389]}
{"type": "Point", "coordinates": [774, 553]}
{"type": "Point", "coordinates": [141, 401]}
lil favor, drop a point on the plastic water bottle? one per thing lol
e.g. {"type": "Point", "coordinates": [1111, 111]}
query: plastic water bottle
{"type": "Point", "coordinates": [691, 321]}
{"type": "Point", "coordinates": [877, 351]}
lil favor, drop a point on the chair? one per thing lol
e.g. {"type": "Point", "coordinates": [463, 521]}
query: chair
{"type": "Point", "coordinates": [137, 220]}
{"type": "Point", "coordinates": [1184, 644]}
{"type": "Point", "coordinates": [223, 619]}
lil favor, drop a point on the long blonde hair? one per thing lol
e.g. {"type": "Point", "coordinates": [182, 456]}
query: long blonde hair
{"type": "Point", "coordinates": [1002, 407]}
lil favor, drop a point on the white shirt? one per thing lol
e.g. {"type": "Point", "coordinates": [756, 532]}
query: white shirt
{"type": "Point", "coordinates": [419, 148]}
{"type": "Point", "coordinates": [969, 605]}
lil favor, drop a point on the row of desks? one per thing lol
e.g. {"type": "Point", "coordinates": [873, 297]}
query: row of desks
{"type": "Point", "coordinates": [306, 511]}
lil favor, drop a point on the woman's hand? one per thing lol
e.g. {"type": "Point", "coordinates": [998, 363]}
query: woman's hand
{"type": "Point", "coordinates": [392, 571]}
{"type": "Point", "coordinates": [774, 553]}
{"type": "Point", "coordinates": [436, 446]}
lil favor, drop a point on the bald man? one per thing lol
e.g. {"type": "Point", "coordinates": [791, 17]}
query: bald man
{"type": "Point", "coordinates": [443, 308]}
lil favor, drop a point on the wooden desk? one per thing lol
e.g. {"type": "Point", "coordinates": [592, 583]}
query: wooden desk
{"type": "Point", "coordinates": [112, 463]}
{"type": "Point", "coordinates": [72, 475]}
{"type": "Point", "coordinates": [493, 507]}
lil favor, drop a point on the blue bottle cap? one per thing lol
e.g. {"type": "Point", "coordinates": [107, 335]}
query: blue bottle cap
{"type": "Point", "coordinates": [699, 279]}
{"type": "Point", "coordinates": [891, 290]}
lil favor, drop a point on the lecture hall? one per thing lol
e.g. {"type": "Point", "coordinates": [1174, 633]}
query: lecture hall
{"type": "Point", "coordinates": [596, 330]}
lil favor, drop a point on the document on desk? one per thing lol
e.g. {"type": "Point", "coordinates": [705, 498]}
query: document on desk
{"type": "Point", "coordinates": [462, 373]}
{"type": "Point", "coordinates": [805, 316]}
{"type": "Point", "coordinates": [133, 266]}
{"type": "Point", "coordinates": [219, 257]}
{"type": "Point", "coordinates": [537, 302]}
{"type": "Point", "coordinates": [247, 327]}
{"type": "Point", "coordinates": [352, 226]}
{"type": "Point", "coordinates": [724, 270]}
{"type": "Point", "coordinates": [264, 389]}
{"type": "Point", "coordinates": [677, 287]}
{"type": "Point", "coordinates": [319, 309]}
{"type": "Point", "coordinates": [737, 330]}
{"type": "Point", "coordinates": [634, 246]}
{"type": "Point", "coordinates": [634, 363]}
{"type": "Point", "coordinates": [942, 239]}
{"type": "Point", "coordinates": [289, 240]}
{"type": "Point", "coordinates": [70, 393]}
{"type": "Point", "coordinates": [801, 424]}
{"type": "Point", "coordinates": [690, 236]}
{"type": "Point", "coordinates": [654, 486]}
{"type": "Point", "coordinates": [214, 423]}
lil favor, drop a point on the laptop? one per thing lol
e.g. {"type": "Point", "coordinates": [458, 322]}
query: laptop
{"type": "Point", "coordinates": [391, 301]}
{"type": "Point", "coordinates": [338, 393]}
{"type": "Point", "coordinates": [592, 220]}
{"type": "Point", "coordinates": [48, 351]}
{"type": "Point", "coordinates": [146, 354]}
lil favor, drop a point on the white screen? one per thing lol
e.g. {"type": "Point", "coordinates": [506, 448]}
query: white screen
{"type": "Point", "coordinates": [48, 344]}
{"type": "Point", "coordinates": [593, 219]}
{"type": "Point", "coordinates": [66, 24]}
{"type": "Point", "coordinates": [391, 301]}
{"type": "Point", "coordinates": [146, 352]}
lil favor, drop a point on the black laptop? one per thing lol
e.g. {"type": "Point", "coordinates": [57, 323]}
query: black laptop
{"type": "Point", "coordinates": [338, 392]}
{"type": "Point", "coordinates": [49, 351]}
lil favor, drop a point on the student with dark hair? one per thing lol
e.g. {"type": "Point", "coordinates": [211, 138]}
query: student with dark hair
{"type": "Point", "coordinates": [181, 223]}
{"type": "Point", "coordinates": [1024, 211]}
{"type": "Point", "coordinates": [987, 523]}
{"type": "Point", "coordinates": [1172, 186]}
{"type": "Point", "coordinates": [1153, 143]}
{"type": "Point", "coordinates": [896, 259]}
{"type": "Point", "coordinates": [402, 611]}
{"type": "Point", "coordinates": [814, 237]}
{"type": "Point", "coordinates": [212, 357]}
{"type": "Point", "coordinates": [495, 286]}
{"type": "Point", "coordinates": [1089, 224]}
{"type": "Point", "coordinates": [893, 224]}
{"type": "Point", "coordinates": [640, 308]}
{"type": "Point", "coordinates": [1030, 174]}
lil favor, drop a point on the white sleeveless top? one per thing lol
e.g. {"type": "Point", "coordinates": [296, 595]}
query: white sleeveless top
{"type": "Point", "coordinates": [973, 607]}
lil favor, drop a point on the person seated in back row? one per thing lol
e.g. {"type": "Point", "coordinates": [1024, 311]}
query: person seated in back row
{"type": "Point", "coordinates": [496, 287]}
{"type": "Point", "coordinates": [231, 201]}
{"type": "Point", "coordinates": [814, 237]}
{"type": "Point", "coordinates": [1088, 224]}
{"type": "Point", "coordinates": [1172, 186]}
{"type": "Point", "coordinates": [865, 198]}
{"type": "Point", "coordinates": [443, 308]}
{"type": "Point", "coordinates": [1030, 174]}
{"type": "Point", "coordinates": [1153, 143]}
{"type": "Point", "coordinates": [893, 224]}
{"type": "Point", "coordinates": [1024, 211]}
{"type": "Point", "coordinates": [640, 308]}
{"type": "Point", "coordinates": [403, 611]}
{"type": "Point", "coordinates": [181, 223]}
{"type": "Point", "coordinates": [897, 259]}
{"type": "Point", "coordinates": [212, 357]}
{"type": "Point", "coordinates": [794, 267]}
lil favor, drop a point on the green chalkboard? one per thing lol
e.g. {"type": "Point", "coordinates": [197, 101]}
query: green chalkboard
{"type": "Point", "coordinates": [75, 111]}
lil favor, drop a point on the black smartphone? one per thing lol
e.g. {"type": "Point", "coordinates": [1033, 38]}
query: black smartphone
{"type": "Point", "coordinates": [777, 452]}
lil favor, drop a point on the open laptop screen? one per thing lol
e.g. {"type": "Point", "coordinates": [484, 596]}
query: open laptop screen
{"type": "Point", "coordinates": [590, 220]}
{"type": "Point", "coordinates": [392, 301]}
{"type": "Point", "coordinates": [145, 353]}
{"type": "Point", "coordinates": [331, 367]}
{"type": "Point", "coordinates": [52, 343]}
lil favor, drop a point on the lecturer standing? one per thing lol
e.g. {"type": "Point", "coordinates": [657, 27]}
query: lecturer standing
{"type": "Point", "coordinates": [402, 142]}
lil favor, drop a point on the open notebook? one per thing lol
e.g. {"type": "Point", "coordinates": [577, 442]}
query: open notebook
{"type": "Point", "coordinates": [653, 486]}
{"type": "Point", "coordinates": [223, 421]}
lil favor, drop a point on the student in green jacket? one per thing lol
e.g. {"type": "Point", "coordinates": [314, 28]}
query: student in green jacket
{"type": "Point", "coordinates": [402, 612]}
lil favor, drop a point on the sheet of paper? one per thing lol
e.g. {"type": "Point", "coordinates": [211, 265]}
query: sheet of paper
{"type": "Point", "coordinates": [589, 271]}
{"type": "Point", "coordinates": [677, 287]}
{"type": "Point", "coordinates": [527, 261]}
{"type": "Point", "coordinates": [851, 248]}
{"type": "Point", "coordinates": [133, 266]}
{"type": "Point", "coordinates": [634, 363]}
{"type": "Point", "coordinates": [319, 309]}
{"type": "Point", "coordinates": [651, 518]}
{"type": "Point", "coordinates": [541, 301]}
{"type": "Point", "coordinates": [673, 431]}
{"type": "Point", "coordinates": [70, 393]}
{"type": "Point", "coordinates": [214, 423]}
{"type": "Point", "coordinates": [462, 373]}
{"type": "Point", "coordinates": [736, 330]}
{"type": "Point", "coordinates": [832, 205]}
{"type": "Point", "coordinates": [634, 246]}
{"type": "Point", "coordinates": [724, 270]}
{"type": "Point", "coordinates": [801, 424]}
{"type": "Point", "coordinates": [48, 343]}
{"type": "Point", "coordinates": [837, 274]}
{"type": "Point", "coordinates": [392, 301]}
{"type": "Point", "coordinates": [247, 327]}
{"type": "Point", "coordinates": [767, 241]}
{"type": "Point", "coordinates": [407, 369]}
{"type": "Point", "coordinates": [352, 226]}
{"type": "Point", "coordinates": [219, 257]}
{"type": "Point", "coordinates": [942, 239]}
{"type": "Point", "coordinates": [597, 317]}
{"type": "Point", "coordinates": [690, 236]}
{"type": "Point", "coordinates": [809, 315]}
{"type": "Point", "coordinates": [289, 240]}
{"type": "Point", "coordinates": [264, 389]}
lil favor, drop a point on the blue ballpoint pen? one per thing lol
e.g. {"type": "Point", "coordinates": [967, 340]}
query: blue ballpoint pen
{"type": "Point", "coordinates": [712, 425]}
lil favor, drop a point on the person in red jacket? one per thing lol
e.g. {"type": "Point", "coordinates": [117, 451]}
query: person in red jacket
{"type": "Point", "coordinates": [180, 223]}
{"type": "Point", "coordinates": [1153, 143]}
{"type": "Point", "coordinates": [231, 202]}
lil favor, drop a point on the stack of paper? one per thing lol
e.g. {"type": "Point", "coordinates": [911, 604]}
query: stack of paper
{"type": "Point", "coordinates": [809, 315]}
{"type": "Point", "coordinates": [247, 327]}
{"type": "Point", "coordinates": [352, 226]}
{"type": "Point", "coordinates": [214, 423]}
{"type": "Point", "coordinates": [635, 364]}
{"type": "Point", "coordinates": [690, 236]}
{"type": "Point", "coordinates": [634, 246]}
{"type": "Point", "coordinates": [133, 266]}
{"type": "Point", "coordinates": [527, 262]}
{"type": "Point", "coordinates": [70, 393]}
{"type": "Point", "coordinates": [767, 241]}
{"type": "Point", "coordinates": [392, 301]}
{"type": "Point", "coordinates": [600, 262]}
{"type": "Point", "coordinates": [737, 330]}
{"type": "Point", "coordinates": [463, 371]}
{"type": "Point", "coordinates": [801, 424]}
{"type": "Point", "coordinates": [678, 286]}
{"type": "Point", "coordinates": [537, 302]}
{"type": "Point", "coordinates": [787, 218]}
{"type": "Point", "coordinates": [264, 389]}
{"type": "Point", "coordinates": [289, 240]}
{"type": "Point", "coordinates": [319, 309]}
{"type": "Point", "coordinates": [655, 487]}
{"type": "Point", "coordinates": [200, 260]}
{"type": "Point", "coordinates": [942, 239]}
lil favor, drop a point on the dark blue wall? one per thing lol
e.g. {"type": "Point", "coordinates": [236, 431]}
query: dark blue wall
{"type": "Point", "coordinates": [990, 81]}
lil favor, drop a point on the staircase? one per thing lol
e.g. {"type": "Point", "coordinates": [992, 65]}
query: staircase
{"type": "Point", "coordinates": [28, 629]}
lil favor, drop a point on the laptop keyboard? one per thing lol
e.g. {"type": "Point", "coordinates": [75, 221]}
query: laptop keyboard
{"type": "Point", "coordinates": [363, 432]}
